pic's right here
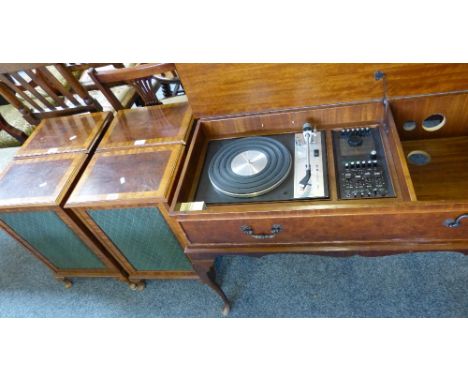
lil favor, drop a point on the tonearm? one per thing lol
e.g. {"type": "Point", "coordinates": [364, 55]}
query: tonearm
{"type": "Point", "coordinates": [309, 132]}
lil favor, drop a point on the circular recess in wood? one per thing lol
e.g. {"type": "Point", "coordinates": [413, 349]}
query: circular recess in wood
{"type": "Point", "coordinates": [419, 158]}
{"type": "Point", "coordinates": [409, 125]}
{"type": "Point", "coordinates": [434, 122]}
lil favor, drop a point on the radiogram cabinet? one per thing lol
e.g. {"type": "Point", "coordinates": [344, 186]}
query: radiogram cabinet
{"type": "Point", "coordinates": [424, 139]}
{"type": "Point", "coordinates": [32, 192]}
{"type": "Point", "coordinates": [122, 198]}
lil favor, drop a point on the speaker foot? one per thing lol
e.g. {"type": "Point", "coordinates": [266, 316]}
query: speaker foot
{"type": "Point", "coordinates": [138, 285]}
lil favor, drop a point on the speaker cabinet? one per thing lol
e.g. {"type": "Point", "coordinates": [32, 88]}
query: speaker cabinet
{"type": "Point", "coordinates": [32, 191]}
{"type": "Point", "coordinates": [122, 198]}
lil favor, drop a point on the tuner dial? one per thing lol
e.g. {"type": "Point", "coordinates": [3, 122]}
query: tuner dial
{"type": "Point", "coordinates": [355, 140]}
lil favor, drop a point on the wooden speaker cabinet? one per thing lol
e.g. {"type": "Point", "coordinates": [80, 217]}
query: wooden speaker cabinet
{"type": "Point", "coordinates": [122, 198]}
{"type": "Point", "coordinates": [34, 187]}
{"type": "Point", "coordinates": [430, 200]}
{"type": "Point", "coordinates": [32, 192]}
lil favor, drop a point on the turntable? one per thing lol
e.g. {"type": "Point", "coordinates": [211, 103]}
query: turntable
{"type": "Point", "coordinates": [265, 168]}
{"type": "Point", "coordinates": [259, 184]}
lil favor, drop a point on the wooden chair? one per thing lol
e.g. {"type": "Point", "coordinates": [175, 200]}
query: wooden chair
{"type": "Point", "coordinates": [38, 93]}
{"type": "Point", "coordinates": [19, 135]}
{"type": "Point", "coordinates": [147, 79]}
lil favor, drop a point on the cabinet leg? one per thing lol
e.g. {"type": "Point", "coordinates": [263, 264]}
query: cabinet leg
{"type": "Point", "coordinates": [206, 272]}
{"type": "Point", "coordinates": [138, 285]}
{"type": "Point", "coordinates": [67, 283]}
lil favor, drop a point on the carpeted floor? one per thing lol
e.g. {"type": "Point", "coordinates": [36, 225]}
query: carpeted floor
{"type": "Point", "coordinates": [416, 285]}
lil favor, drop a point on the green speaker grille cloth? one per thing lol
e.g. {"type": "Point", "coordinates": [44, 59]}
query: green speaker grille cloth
{"type": "Point", "coordinates": [143, 237]}
{"type": "Point", "coordinates": [46, 232]}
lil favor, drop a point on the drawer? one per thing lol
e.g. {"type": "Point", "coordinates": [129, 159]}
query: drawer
{"type": "Point", "coordinates": [423, 226]}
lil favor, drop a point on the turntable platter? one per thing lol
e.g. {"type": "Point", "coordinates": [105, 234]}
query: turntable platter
{"type": "Point", "coordinates": [249, 163]}
{"type": "Point", "coordinates": [249, 167]}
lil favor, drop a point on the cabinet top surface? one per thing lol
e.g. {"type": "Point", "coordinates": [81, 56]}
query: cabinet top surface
{"type": "Point", "coordinates": [75, 133]}
{"type": "Point", "coordinates": [39, 181]}
{"type": "Point", "coordinates": [146, 126]}
{"type": "Point", "coordinates": [138, 175]}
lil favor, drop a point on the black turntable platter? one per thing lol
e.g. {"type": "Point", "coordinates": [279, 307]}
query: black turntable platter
{"type": "Point", "coordinates": [256, 164]}
{"type": "Point", "coordinates": [249, 167]}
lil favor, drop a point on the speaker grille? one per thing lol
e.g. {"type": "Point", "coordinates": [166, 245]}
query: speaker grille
{"type": "Point", "coordinates": [46, 232]}
{"type": "Point", "coordinates": [143, 237]}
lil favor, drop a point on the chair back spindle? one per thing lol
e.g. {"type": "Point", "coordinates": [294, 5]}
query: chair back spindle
{"type": "Point", "coordinates": [46, 91]}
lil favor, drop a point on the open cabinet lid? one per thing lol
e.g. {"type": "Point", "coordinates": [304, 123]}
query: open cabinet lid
{"type": "Point", "coordinates": [139, 175]}
{"type": "Point", "coordinates": [226, 89]}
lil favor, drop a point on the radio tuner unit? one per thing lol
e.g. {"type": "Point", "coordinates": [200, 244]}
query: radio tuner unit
{"type": "Point", "coordinates": [361, 166]}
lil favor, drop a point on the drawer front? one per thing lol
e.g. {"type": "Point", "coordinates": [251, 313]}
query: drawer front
{"type": "Point", "coordinates": [53, 239]}
{"type": "Point", "coordinates": [143, 237]}
{"type": "Point", "coordinates": [332, 229]}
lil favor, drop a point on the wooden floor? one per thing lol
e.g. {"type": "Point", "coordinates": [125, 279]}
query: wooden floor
{"type": "Point", "coordinates": [446, 176]}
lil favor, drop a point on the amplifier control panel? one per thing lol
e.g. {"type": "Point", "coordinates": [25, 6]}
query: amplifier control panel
{"type": "Point", "coordinates": [361, 166]}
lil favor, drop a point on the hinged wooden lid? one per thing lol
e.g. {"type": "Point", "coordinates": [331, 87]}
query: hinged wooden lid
{"type": "Point", "coordinates": [39, 181]}
{"type": "Point", "coordinates": [74, 133]}
{"type": "Point", "coordinates": [138, 175]}
{"type": "Point", "coordinates": [226, 89]}
{"type": "Point", "coordinates": [148, 126]}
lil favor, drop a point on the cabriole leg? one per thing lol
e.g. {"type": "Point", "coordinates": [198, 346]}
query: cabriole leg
{"type": "Point", "coordinates": [206, 272]}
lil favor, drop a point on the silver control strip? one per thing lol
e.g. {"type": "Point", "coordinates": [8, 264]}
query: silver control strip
{"type": "Point", "coordinates": [316, 185]}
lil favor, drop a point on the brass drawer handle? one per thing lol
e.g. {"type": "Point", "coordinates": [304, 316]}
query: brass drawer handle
{"type": "Point", "coordinates": [275, 229]}
{"type": "Point", "coordinates": [454, 223]}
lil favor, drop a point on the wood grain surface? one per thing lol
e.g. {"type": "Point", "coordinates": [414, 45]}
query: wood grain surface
{"type": "Point", "coordinates": [39, 181]}
{"type": "Point", "coordinates": [445, 177]}
{"type": "Point", "coordinates": [219, 89]}
{"type": "Point", "coordinates": [131, 175]}
{"type": "Point", "coordinates": [76, 133]}
{"type": "Point", "coordinates": [147, 126]}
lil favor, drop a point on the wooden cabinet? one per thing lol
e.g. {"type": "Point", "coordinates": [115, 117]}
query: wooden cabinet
{"type": "Point", "coordinates": [32, 191]}
{"type": "Point", "coordinates": [122, 198]}
{"type": "Point", "coordinates": [101, 211]}
{"type": "Point", "coordinates": [429, 211]}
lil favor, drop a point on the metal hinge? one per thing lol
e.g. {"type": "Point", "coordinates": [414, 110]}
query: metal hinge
{"type": "Point", "coordinates": [379, 75]}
